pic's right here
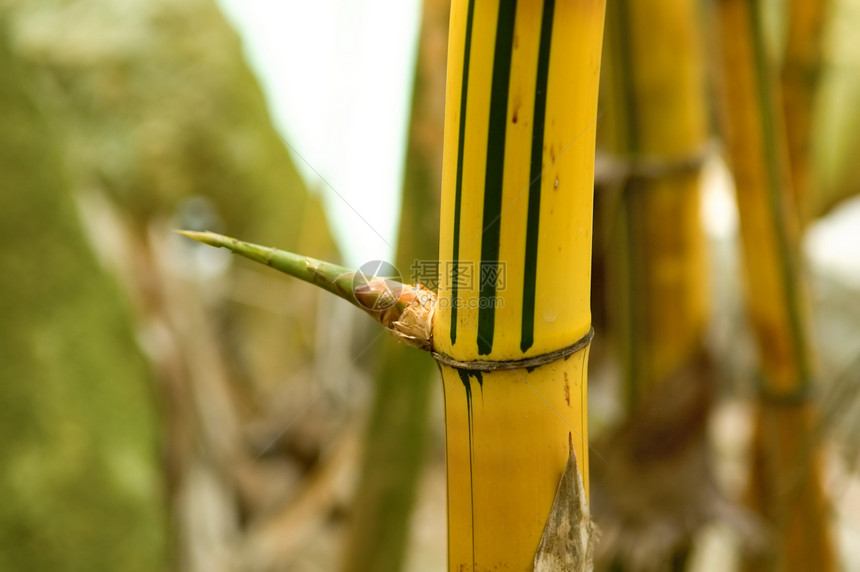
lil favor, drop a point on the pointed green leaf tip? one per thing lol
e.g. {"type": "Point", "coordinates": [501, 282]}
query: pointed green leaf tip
{"type": "Point", "coordinates": [408, 315]}
{"type": "Point", "coordinates": [336, 279]}
{"type": "Point", "coordinates": [206, 237]}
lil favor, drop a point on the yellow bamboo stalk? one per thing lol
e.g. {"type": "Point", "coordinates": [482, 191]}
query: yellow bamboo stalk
{"type": "Point", "coordinates": [799, 78]}
{"type": "Point", "coordinates": [515, 249]}
{"type": "Point", "coordinates": [655, 127]}
{"type": "Point", "coordinates": [786, 478]}
{"type": "Point", "coordinates": [653, 136]}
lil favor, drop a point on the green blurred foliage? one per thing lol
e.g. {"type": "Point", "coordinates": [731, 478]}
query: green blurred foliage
{"type": "Point", "coordinates": [836, 134]}
{"type": "Point", "coordinates": [151, 105]}
{"type": "Point", "coordinates": [158, 105]}
{"type": "Point", "coordinates": [80, 478]}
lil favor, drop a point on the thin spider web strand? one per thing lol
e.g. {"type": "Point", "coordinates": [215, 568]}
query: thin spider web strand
{"type": "Point", "coordinates": [305, 161]}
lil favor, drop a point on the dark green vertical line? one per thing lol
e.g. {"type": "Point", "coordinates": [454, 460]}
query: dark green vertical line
{"type": "Point", "coordinates": [535, 179]}
{"type": "Point", "coordinates": [496, 133]}
{"type": "Point", "coordinates": [458, 193]}
{"type": "Point", "coordinates": [788, 258]}
{"type": "Point", "coordinates": [467, 385]}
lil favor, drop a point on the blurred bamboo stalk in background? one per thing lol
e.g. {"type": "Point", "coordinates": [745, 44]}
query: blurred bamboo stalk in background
{"type": "Point", "coordinates": [785, 483]}
{"type": "Point", "coordinates": [656, 129]}
{"type": "Point", "coordinates": [396, 439]}
{"type": "Point", "coordinates": [515, 248]}
{"type": "Point", "coordinates": [654, 135]}
{"type": "Point", "coordinates": [800, 79]}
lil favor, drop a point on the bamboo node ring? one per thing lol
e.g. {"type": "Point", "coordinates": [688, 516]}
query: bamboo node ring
{"type": "Point", "coordinates": [525, 363]}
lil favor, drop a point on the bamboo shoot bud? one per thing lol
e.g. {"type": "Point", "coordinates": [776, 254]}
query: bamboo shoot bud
{"type": "Point", "coordinates": [405, 310]}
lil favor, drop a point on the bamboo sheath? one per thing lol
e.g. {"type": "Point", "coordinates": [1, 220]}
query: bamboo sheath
{"type": "Point", "coordinates": [515, 248]}
{"type": "Point", "coordinates": [786, 478]}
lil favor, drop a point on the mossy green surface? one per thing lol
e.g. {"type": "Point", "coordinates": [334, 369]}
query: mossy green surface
{"type": "Point", "coordinates": [158, 105]}
{"type": "Point", "coordinates": [160, 112]}
{"type": "Point", "coordinates": [835, 145]}
{"type": "Point", "coordinates": [79, 474]}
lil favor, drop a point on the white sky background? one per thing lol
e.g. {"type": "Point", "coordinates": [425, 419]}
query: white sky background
{"type": "Point", "coordinates": [337, 75]}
